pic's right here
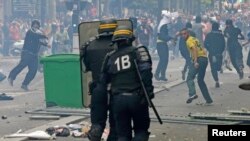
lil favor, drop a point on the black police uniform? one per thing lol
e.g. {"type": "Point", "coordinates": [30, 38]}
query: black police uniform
{"type": "Point", "coordinates": [29, 56]}
{"type": "Point", "coordinates": [128, 100]}
{"type": "Point", "coordinates": [94, 54]}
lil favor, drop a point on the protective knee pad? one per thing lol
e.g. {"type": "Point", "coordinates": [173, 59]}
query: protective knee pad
{"type": "Point", "coordinates": [141, 136]}
{"type": "Point", "coordinates": [95, 133]}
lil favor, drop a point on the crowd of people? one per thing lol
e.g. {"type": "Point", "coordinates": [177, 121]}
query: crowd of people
{"type": "Point", "coordinates": [215, 39]}
{"type": "Point", "coordinates": [161, 39]}
{"type": "Point", "coordinates": [13, 32]}
{"type": "Point", "coordinates": [231, 33]}
{"type": "Point", "coordinates": [200, 41]}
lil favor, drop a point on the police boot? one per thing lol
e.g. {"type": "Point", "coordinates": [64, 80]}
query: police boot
{"type": "Point", "coordinates": [141, 136]}
{"type": "Point", "coordinates": [95, 133]}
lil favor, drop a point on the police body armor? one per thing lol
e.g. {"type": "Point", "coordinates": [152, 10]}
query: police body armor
{"type": "Point", "coordinates": [121, 66]}
{"type": "Point", "coordinates": [95, 52]}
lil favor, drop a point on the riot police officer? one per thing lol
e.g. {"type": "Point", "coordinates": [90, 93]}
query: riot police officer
{"type": "Point", "coordinates": [29, 57]}
{"type": "Point", "coordinates": [120, 71]}
{"type": "Point", "coordinates": [93, 55]}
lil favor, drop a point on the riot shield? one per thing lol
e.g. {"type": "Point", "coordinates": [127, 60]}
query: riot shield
{"type": "Point", "coordinates": [86, 30]}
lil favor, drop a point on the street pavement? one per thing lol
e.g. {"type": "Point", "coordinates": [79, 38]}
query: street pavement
{"type": "Point", "coordinates": [169, 101]}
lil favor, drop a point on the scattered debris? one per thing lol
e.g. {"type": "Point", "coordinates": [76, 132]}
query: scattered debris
{"type": "Point", "coordinates": [34, 135]}
{"type": "Point", "coordinates": [43, 117]}
{"type": "Point", "coordinates": [241, 112]}
{"type": "Point", "coordinates": [220, 117]}
{"type": "Point", "coordinates": [152, 136]}
{"type": "Point", "coordinates": [4, 117]}
{"type": "Point", "coordinates": [190, 119]}
{"type": "Point", "coordinates": [75, 130]}
{"type": "Point", "coordinates": [244, 109]}
{"type": "Point", "coordinates": [79, 134]}
{"type": "Point", "coordinates": [75, 126]}
{"type": "Point", "coordinates": [204, 104]}
{"type": "Point", "coordinates": [3, 96]}
{"type": "Point", "coordinates": [61, 131]}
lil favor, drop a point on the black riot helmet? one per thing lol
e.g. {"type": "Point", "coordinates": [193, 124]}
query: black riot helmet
{"type": "Point", "coordinates": [35, 22]}
{"type": "Point", "coordinates": [123, 33]}
{"type": "Point", "coordinates": [107, 26]}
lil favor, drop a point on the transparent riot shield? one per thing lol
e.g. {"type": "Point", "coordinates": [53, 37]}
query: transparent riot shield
{"type": "Point", "coordinates": [86, 30]}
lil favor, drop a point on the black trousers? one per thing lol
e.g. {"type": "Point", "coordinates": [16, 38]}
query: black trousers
{"type": "Point", "coordinates": [236, 57]}
{"type": "Point", "coordinates": [128, 109]}
{"type": "Point", "coordinates": [99, 106]}
{"type": "Point", "coordinates": [99, 110]}
{"type": "Point", "coordinates": [27, 60]}
{"type": "Point", "coordinates": [215, 64]}
{"type": "Point", "coordinates": [163, 53]}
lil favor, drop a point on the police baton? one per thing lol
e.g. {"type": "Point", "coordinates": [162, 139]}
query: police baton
{"type": "Point", "coordinates": [150, 103]}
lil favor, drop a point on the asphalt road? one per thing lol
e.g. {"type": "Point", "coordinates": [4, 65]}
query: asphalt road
{"type": "Point", "coordinates": [168, 103]}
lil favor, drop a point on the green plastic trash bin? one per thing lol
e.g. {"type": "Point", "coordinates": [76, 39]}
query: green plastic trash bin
{"type": "Point", "coordinates": [62, 80]}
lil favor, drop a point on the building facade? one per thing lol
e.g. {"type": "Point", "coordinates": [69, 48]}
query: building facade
{"type": "Point", "coordinates": [28, 8]}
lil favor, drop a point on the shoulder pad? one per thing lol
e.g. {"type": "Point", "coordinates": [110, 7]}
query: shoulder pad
{"type": "Point", "coordinates": [105, 62]}
{"type": "Point", "coordinates": [111, 52]}
{"type": "Point", "coordinates": [91, 39]}
{"type": "Point", "coordinates": [142, 53]}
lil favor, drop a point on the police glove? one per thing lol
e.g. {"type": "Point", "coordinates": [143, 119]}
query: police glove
{"type": "Point", "coordinates": [82, 52]}
{"type": "Point", "coordinates": [151, 95]}
{"type": "Point", "coordinates": [92, 86]}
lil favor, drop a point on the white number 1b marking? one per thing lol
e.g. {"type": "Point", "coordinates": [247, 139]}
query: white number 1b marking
{"type": "Point", "coordinates": [125, 63]}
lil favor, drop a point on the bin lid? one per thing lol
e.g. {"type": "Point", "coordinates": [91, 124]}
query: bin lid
{"type": "Point", "coordinates": [61, 58]}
